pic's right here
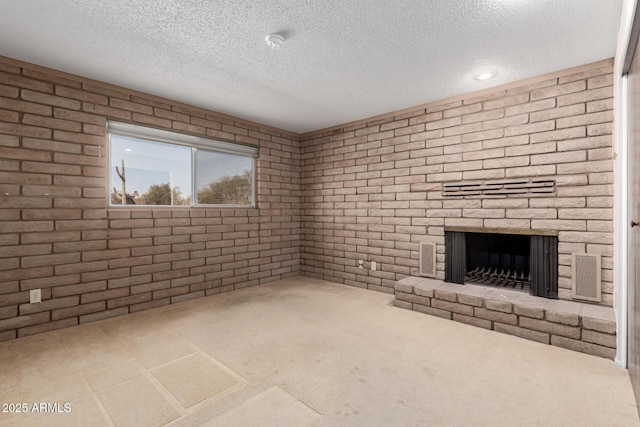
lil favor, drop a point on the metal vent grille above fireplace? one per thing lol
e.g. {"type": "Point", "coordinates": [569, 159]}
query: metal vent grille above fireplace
{"type": "Point", "coordinates": [523, 187]}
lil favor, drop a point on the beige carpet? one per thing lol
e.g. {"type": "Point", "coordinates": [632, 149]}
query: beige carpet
{"type": "Point", "coordinates": [304, 352]}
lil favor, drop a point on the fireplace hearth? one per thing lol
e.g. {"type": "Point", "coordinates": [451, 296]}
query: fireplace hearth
{"type": "Point", "coordinates": [524, 260]}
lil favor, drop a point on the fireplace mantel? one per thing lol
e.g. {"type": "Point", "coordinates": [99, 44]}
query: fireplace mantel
{"type": "Point", "coordinates": [521, 231]}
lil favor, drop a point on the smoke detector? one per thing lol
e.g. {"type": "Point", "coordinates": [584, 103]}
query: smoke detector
{"type": "Point", "coordinates": [274, 41]}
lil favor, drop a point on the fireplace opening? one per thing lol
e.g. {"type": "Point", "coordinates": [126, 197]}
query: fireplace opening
{"type": "Point", "coordinates": [498, 260]}
{"type": "Point", "coordinates": [518, 259]}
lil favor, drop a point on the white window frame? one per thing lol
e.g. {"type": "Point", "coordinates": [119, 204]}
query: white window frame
{"type": "Point", "coordinates": [193, 142]}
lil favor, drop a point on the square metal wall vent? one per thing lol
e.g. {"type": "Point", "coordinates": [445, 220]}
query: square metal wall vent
{"type": "Point", "coordinates": [428, 259]}
{"type": "Point", "coordinates": [586, 282]}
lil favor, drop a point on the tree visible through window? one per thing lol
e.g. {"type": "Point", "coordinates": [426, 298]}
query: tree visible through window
{"type": "Point", "coordinates": [149, 168]}
{"type": "Point", "coordinates": [223, 179]}
{"type": "Point", "coordinates": [227, 190]}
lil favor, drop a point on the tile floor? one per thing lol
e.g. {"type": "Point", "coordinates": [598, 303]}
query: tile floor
{"type": "Point", "coordinates": [302, 352]}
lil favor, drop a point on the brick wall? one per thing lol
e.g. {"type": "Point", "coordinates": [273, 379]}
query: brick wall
{"type": "Point", "coordinates": [368, 190]}
{"type": "Point", "coordinates": [371, 190]}
{"type": "Point", "coordinates": [93, 262]}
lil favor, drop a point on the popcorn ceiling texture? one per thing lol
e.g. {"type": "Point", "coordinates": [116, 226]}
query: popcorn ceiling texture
{"type": "Point", "coordinates": [342, 60]}
{"type": "Point", "coordinates": [368, 190]}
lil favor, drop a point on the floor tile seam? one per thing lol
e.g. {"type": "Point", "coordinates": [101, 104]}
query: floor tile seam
{"type": "Point", "coordinates": [145, 354]}
{"type": "Point", "coordinates": [194, 408]}
{"type": "Point", "coordinates": [187, 340]}
{"type": "Point", "coordinates": [240, 380]}
{"type": "Point", "coordinates": [102, 409]}
{"type": "Point", "coordinates": [264, 389]}
{"type": "Point", "coordinates": [133, 358]}
{"type": "Point", "coordinates": [139, 366]}
{"type": "Point", "coordinates": [47, 398]}
{"type": "Point", "coordinates": [169, 362]}
{"type": "Point", "coordinates": [95, 398]}
{"type": "Point", "coordinates": [126, 342]}
{"type": "Point", "coordinates": [165, 393]}
{"type": "Point", "coordinates": [75, 374]}
{"type": "Point", "coordinates": [306, 405]}
{"type": "Point", "coordinates": [115, 336]}
{"type": "Point", "coordinates": [253, 388]}
{"type": "Point", "coordinates": [195, 349]}
{"type": "Point", "coordinates": [208, 356]}
{"type": "Point", "coordinates": [211, 399]}
{"type": "Point", "coordinates": [166, 396]}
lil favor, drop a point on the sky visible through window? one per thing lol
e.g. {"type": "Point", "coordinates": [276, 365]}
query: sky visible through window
{"type": "Point", "coordinates": [148, 163]}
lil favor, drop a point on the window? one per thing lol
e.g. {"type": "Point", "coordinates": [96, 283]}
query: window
{"type": "Point", "coordinates": [156, 167]}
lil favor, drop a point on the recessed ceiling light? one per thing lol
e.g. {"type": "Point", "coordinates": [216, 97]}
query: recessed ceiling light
{"type": "Point", "coordinates": [486, 75]}
{"type": "Point", "coordinates": [128, 149]}
{"type": "Point", "coordinates": [274, 41]}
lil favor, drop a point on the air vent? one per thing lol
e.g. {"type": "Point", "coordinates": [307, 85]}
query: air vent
{"type": "Point", "coordinates": [428, 259]}
{"type": "Point", "coordinates": [585, 277]}
{"type": "Point", "coordinates": [508, 187]}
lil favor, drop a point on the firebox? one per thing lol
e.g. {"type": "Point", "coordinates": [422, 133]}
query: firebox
{"type": "Point", "coordinates": [526, 260]}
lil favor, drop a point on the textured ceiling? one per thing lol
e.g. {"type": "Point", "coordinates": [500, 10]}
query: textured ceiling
{"type": "Point", "coordinates": [343, 60]}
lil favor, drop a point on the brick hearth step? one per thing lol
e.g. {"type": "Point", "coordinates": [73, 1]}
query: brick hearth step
{"type": "Point", "coordinates": [582, 327]}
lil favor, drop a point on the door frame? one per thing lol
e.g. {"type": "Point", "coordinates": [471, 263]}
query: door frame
{"type": "Point", "coordinates": [625, 49]}
{"type": "Point", "coordinates": [621, 232]}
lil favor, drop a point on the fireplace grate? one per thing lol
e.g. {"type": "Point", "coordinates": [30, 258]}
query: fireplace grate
{"type": "Point", "coordinates": [527, 262]}
{"type": "Point", "coordinates": [503, 278]}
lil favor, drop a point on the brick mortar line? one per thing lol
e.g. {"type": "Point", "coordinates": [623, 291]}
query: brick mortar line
{"type": "Point", "coordinates": [424, 303]}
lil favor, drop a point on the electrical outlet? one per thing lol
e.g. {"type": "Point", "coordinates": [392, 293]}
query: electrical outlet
{"type": "Point", "coordinates": [35, 296]}
{"type": "Point", "coordinates": [360, 263]}
{"type": "Point", "coordinates": [374, 266]}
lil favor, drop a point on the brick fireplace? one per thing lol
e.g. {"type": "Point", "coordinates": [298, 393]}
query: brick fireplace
{"type": "Point", "coordinates": [532, 157]}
